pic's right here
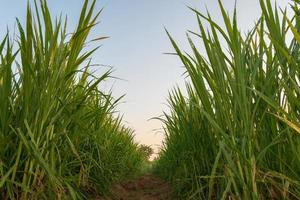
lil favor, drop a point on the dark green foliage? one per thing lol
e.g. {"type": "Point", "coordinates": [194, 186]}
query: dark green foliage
{"type": "Point", "coordinates": [146, 151]}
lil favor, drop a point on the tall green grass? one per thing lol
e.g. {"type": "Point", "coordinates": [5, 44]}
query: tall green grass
{"type": "Point", "coordinates": [59, 137]}
{"type": "Point", "coordinates": [236, 134]}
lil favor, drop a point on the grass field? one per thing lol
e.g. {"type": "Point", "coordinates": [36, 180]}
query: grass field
{"type": "Point", "coordinates": [59, 137]}
{"type": "Point", "coordinates": [236, 134]}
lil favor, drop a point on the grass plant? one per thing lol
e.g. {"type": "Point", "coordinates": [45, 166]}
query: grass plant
{"type": "Point", "coordinates": [236, 134]}
{"type": "Point", "coordinates": [59, 136]}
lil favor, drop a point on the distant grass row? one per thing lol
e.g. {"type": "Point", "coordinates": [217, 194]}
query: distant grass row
{"type": "Point", "coordinates": [58, 136]}
{"type": "Point", "coordinates": [237, 133]}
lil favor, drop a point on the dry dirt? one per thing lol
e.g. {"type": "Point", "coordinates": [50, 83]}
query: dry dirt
{"type": "Point", "coordinates": [146, 187]}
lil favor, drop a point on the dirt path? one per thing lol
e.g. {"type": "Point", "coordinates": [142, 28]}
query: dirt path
{"type": "Point", "coordinates": [146, 187]}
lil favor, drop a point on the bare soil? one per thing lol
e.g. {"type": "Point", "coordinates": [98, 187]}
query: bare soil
{"type": "Point", "coordinates": [147, 187]}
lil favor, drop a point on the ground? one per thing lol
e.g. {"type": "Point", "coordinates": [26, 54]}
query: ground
{"type": "Point", "coordinates": [147, 187]}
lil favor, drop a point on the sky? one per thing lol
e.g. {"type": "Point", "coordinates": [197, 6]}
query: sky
{"type": "Point", "coordinates": [137, 46]}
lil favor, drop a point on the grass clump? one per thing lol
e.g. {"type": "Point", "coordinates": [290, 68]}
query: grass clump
{"type": "Point", "coordinates": [236, 133]}
{"type": "Point", "coordinates": [59, 137]}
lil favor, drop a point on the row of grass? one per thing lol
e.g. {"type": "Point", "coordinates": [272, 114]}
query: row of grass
{"type": "Point", "coordinates": [236, 134]}
{"type": "Point", "coordinates": [59, 134]}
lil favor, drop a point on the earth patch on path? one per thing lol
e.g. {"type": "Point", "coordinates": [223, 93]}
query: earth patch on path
{"type": "Point", "coordinates": [147, 187]}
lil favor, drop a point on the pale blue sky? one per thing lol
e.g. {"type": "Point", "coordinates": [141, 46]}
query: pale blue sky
{"type": "Point", "coordinates": [136, 46]}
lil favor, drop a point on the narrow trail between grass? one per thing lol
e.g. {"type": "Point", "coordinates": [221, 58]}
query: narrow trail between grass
{"type": "Point", "coordinates": [147, 187]}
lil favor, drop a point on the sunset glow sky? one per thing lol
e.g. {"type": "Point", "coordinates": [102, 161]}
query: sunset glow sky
{"type": "Point", "coordinates": [136, 48]}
